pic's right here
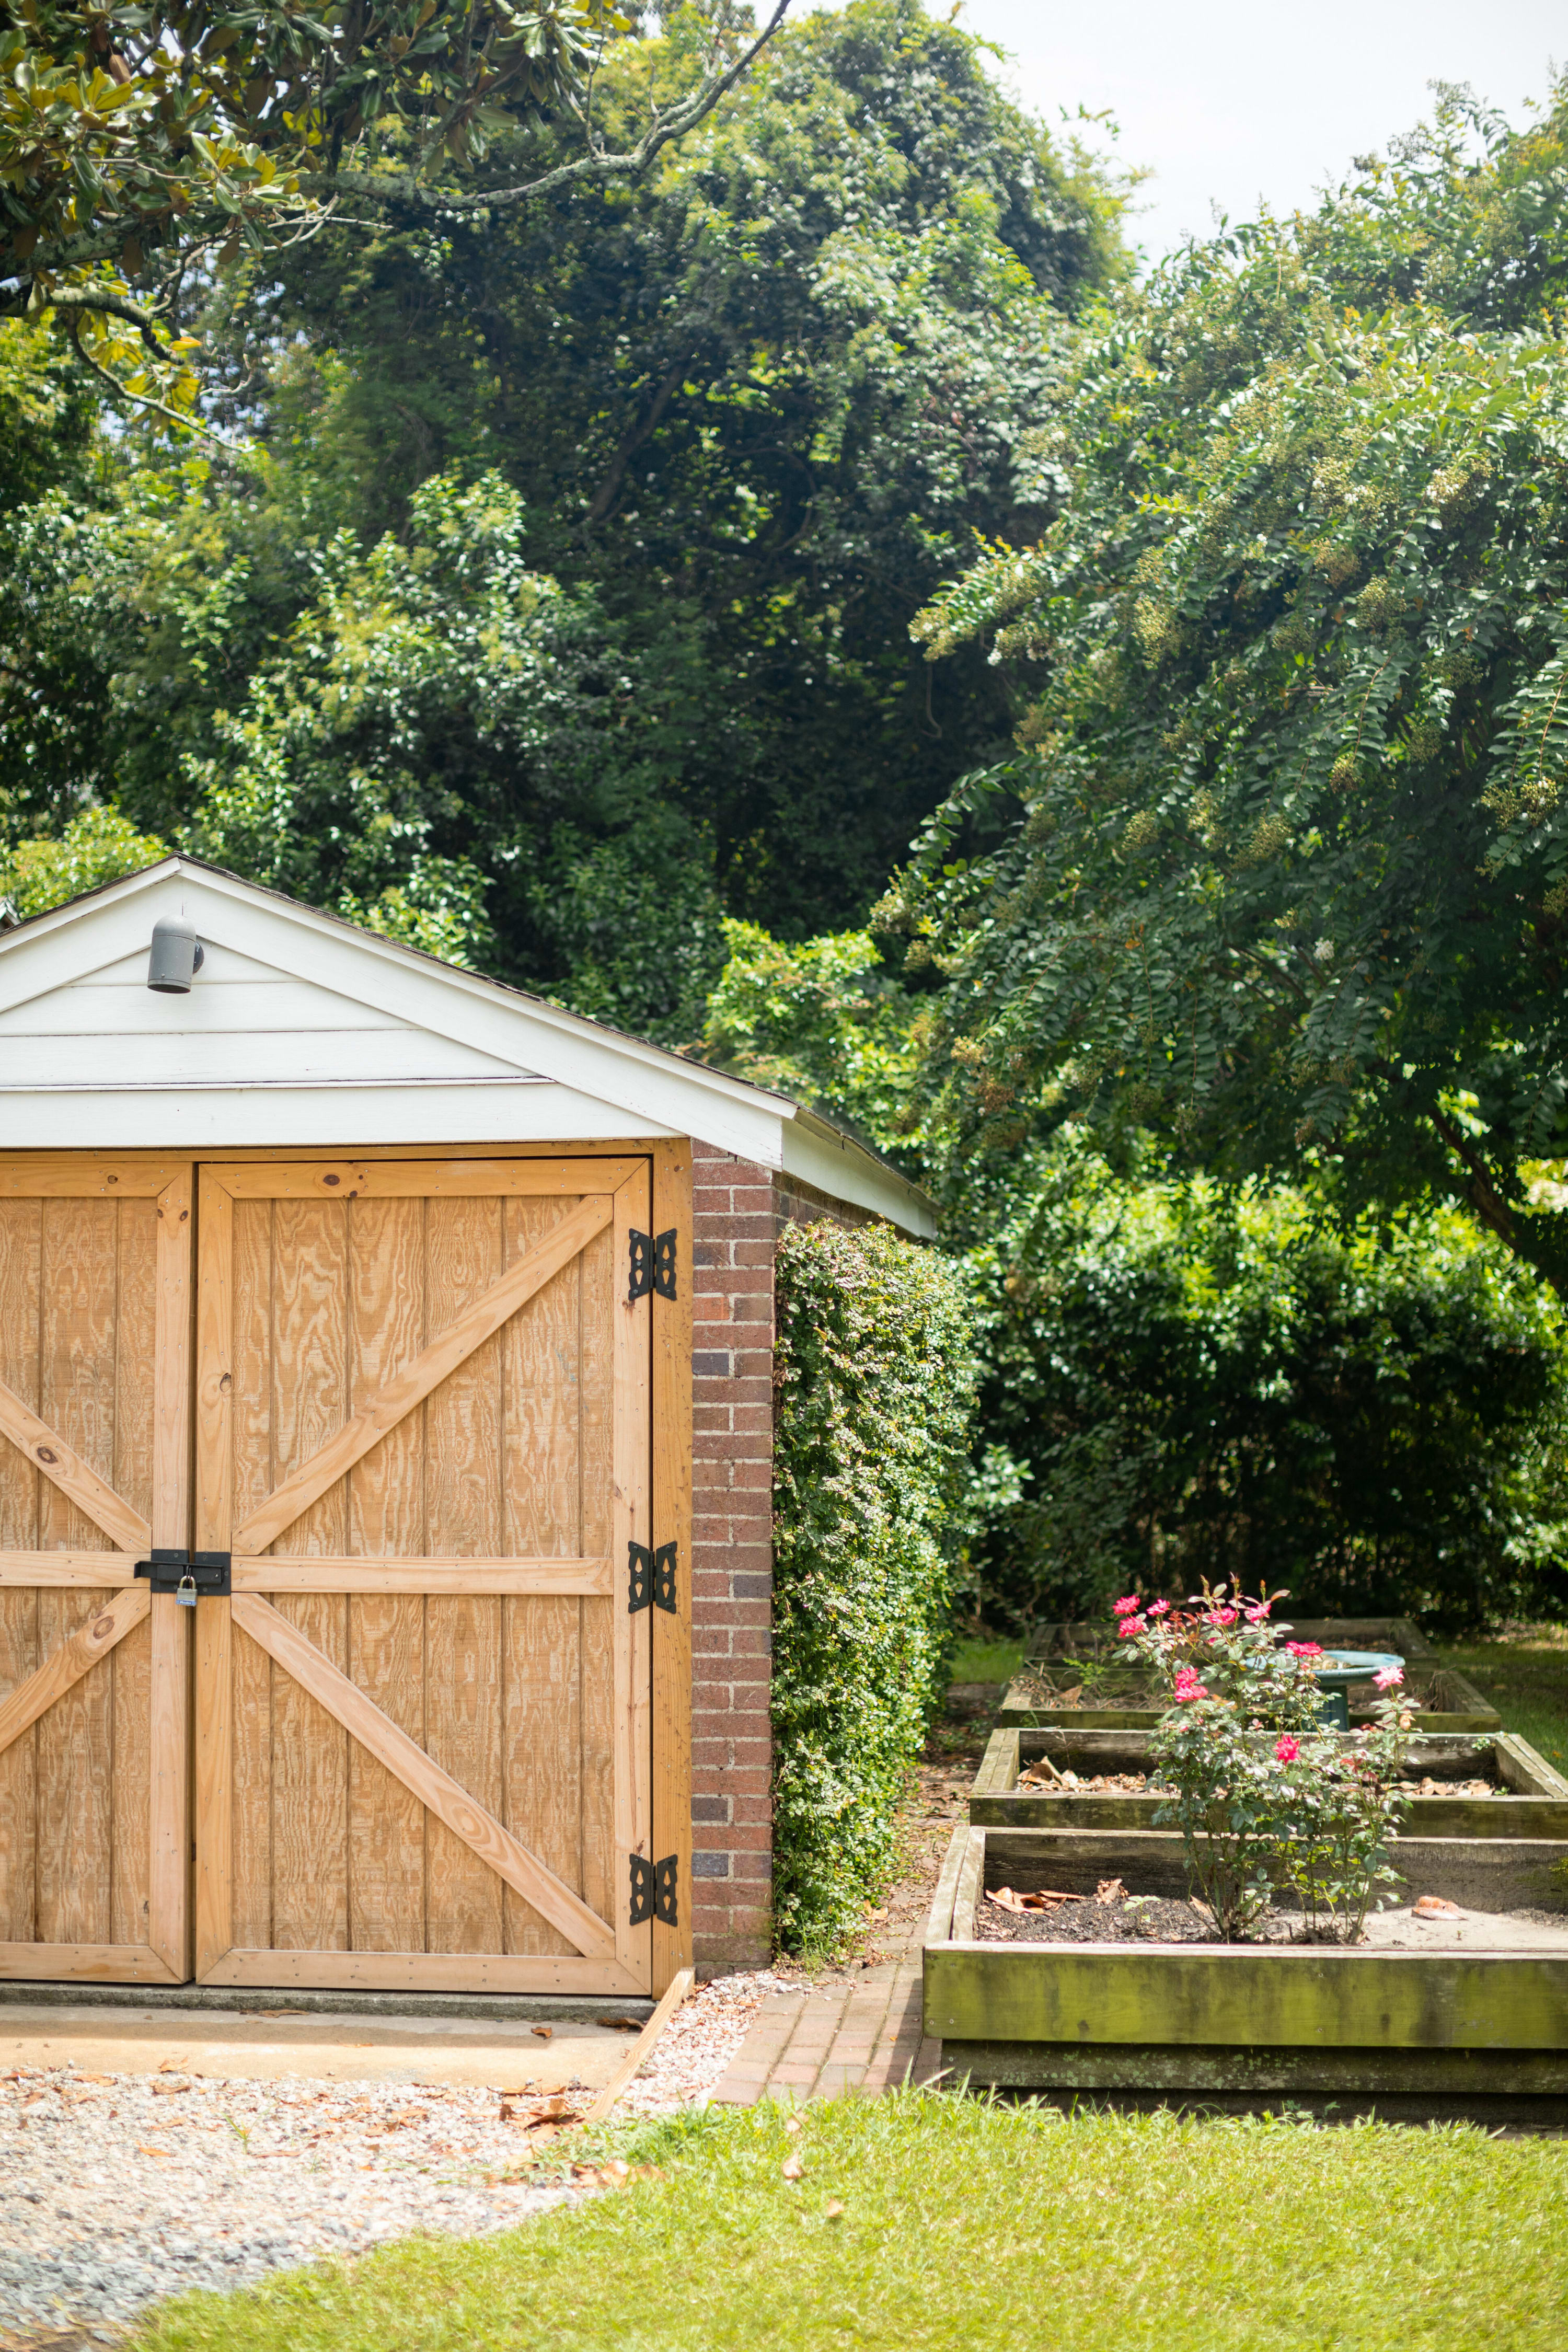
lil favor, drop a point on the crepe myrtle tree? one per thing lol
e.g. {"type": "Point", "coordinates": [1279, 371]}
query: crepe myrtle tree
{"type": "Point", "coordinates": [145, 148]}
{"type": "Point", "coordinates": [1280, 865]}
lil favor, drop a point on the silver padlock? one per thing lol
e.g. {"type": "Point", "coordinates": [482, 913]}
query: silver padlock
{"type": "Point", "coordinates": [185, 1591]}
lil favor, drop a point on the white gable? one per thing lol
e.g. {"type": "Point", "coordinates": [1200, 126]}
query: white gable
{"type": "Point", "coordinates": [303, 1030]}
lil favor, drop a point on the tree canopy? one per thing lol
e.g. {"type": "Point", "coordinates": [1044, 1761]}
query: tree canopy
{"type": "Point", "coordinates": [144, 148]}
{"type": "Point", "coordinates": [1280, 864]}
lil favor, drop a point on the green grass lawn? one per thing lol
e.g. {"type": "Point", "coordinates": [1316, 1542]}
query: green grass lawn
{"type": "Point", "coordinates": [986, 1662]}
{"type": "Point", "coordinates": [969, 2225]}
{"type": "Point", "coordinates": [1525, 1675]}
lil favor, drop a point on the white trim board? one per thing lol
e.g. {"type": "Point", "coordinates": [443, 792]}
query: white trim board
{"type": "Point", "coordinates": [393, 1047]}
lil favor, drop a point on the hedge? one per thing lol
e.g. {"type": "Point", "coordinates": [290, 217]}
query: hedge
{"type": "Point", "coordinates": [873, 1381]}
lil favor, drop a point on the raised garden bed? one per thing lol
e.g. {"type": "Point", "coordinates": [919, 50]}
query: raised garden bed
{"type": "Point", "coordinates": [1474, 2022]}
{"type": "Point", "coordinates": [1016, 1789]}
{"type": "Point", "coordinates": [1048, 1690]}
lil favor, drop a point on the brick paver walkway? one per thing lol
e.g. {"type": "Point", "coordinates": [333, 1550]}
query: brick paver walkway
{"type": "Point", "coordinates": [860, 2033]}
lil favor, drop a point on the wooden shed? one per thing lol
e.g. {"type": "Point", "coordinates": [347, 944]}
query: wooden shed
{"type": "Point", "coordinates": [354, 1542]}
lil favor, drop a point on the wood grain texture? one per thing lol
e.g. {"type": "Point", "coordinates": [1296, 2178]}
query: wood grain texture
{"type": "Point", "coordinates": [386, 1304]}
{"type": "Point", "coordinates": [465, 1692]}
{"type": "Point", "coordinates": [94, 1571]}
{"type": "Point", "coordinates": [423, 1973]}
{"type": "Point", "coordinates": [449, 1572]}
{"type": "Point", "coordinates": [21, 1253]}
{"type": "Point", "coordinates": [83, 1646]}
{"type": "Point", "coordinates": [76, 1480]}
{"type": "Point", "coordinates": [215, 1772]}
{"type": "Point", "coordinates": [249, 1477]}
{"type": "Point", "coordinates": [130, 1670]}
{"type": "Point", "coordinates": [467, 1821]}
{"type": "Point", "coordinates": [432, 1179]}
{"type": "Point", "coordinates": [77, 1396]}
{"type": "Point", "coordinates": [84, 1175]}
{"type": "Point", "coordinates": [671, 1514]}
{"type": "Point", "coordinates": [605, 1877]}
{"type": "Point", "coordinates": [630, 1485]}
{"type": "Point", "coordinates": [88, 1963]}
{"type": "Point", "coordinates": [168, 1927]}
{"type": "Point", "coordinates": [542, 1762]}
{"type": "Point", "coordinates": [468, 1330]}
{"type": "Point", "coordinates": [309, 1747]}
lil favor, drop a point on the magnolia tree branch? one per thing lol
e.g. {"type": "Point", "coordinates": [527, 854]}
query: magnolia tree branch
{"type": "Point", "coordinates": [186, 420]}
{"type": "Point", "coordinates": [405, 188]}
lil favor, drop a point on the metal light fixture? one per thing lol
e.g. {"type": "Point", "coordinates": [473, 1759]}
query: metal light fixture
{"type": "Point", "coordinates": [176, 955]}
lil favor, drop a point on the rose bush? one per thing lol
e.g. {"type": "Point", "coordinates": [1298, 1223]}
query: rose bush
{"type": "Point", "coordinates": [1265, 1797]}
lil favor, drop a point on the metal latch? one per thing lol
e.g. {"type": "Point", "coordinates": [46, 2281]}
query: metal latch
{"type": "Point", "coordinates": [190, 1576]}
{"type": "Point", "coordinates": [653, 1264]}
{"type": "Point", "coordinates": [650, 1576]}
{"type": "Point", "coordinates": [653, 1890]}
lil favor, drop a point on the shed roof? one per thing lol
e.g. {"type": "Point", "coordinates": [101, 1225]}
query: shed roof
{"type": "Point", "coordinates": [303, 1029]}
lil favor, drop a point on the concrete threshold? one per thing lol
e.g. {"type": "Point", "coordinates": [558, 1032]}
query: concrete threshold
{"type": "Point", "coordinates": [451, 2052]}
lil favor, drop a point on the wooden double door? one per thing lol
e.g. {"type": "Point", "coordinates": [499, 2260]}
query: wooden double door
{"type": "Point", "coordinates": [410, 1402]}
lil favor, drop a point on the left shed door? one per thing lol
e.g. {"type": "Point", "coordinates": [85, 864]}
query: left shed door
{"type": "Point", "coordinates": [95, 1352]}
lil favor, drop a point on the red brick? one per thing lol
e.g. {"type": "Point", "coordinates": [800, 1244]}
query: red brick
{"type": "Point", "coordinates": [732, 1447]}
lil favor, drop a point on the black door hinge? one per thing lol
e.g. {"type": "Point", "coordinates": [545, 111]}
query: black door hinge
{"type": "Point", "coordinates": [653, 1890]}
{"type": "Point", "coordinates": [202, 1575]}
{"type": "Point", "coordinates": [650, 1576]}
{"type": "Point", "coordinates": [653, 1264]}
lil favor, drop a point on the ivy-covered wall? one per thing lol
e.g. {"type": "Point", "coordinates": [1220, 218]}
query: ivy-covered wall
{"type": "Point", "coordinates": [873, 1385]}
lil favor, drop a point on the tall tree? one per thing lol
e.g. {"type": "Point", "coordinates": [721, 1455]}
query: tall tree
{"type": "Point", "coordinates": [141, 148]}
{"type": "Point", "coordinates": [1281, 863]}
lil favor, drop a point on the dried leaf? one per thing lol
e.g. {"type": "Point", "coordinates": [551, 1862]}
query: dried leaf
{"type": "Point", "coordinates": [619, 2024]}
{"type": "Point", "coordinates": [1433, 1906]}
{"type": "Point", "coordinates": [545, 2032]}
{"type": "Point", "coordinates": [1111, 1890]}
{"type": "Point", "coordinates": [792, 2167]}
{"type": "Point", "coordinates": [792, 2124]}
{"type": "Point", "coordinates": [835, 2210]}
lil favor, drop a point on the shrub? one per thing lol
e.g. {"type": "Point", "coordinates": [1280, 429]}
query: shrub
{"type": "Point", "coordinates": [873, 1386]}
{"type": "Point", "coordinates": [1195, 1381]}
{"type": "Point", "coordinates": [1261, 1791]}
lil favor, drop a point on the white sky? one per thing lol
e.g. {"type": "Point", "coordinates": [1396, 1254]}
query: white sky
{"type": "Point", "coordinates": [1228, 101]}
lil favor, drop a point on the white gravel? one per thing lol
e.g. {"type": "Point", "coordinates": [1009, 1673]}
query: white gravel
{"type": "Point", "coordinates": [696, 2045]}
{"type": "Point", "coordinates": [116, 2189]}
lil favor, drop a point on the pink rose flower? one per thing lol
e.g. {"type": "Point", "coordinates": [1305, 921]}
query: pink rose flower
{"type": "Point", "coordinates": [1389, 1677]}
{"type": "Point", "coordinates": [1287, 1749]}
{"type": "Point", "coordinates": [1303, 1649]}
{"type": "Point", "coordinates": [1187, 1685]}
{"type": "Point", "coordinates": [1126, 1607]}
{"type": "Point", "coordinates": [1158, 1609]}
{"type": "Point", "coordinates": [1130, 1625]}
{"type": "Point", "coordinates": [1255, 1616]}
{"type": "Point", "coordinates": [1222, 1616]}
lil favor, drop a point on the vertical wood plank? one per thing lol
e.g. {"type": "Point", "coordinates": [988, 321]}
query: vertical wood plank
{"type": "Point", "coordinates": [542, 1760]}
{"type": "Point", "coordinates": [632, 1636]}
{"type": "Point", "coordinates": [386, 1632]}
{"type": "Point", "coordinates": [606, 1878]}
{"type": "Point", "coordinates": [671, 1509]}
{"type": "Point", "coordinates": [309, 1404]}
{"type": "Point", "coordinates": [212, 1634]}
{"type": "Point", "coordinates": [465, 1689]}
{"type": "Point", "coordinates": [169, 1809]}
{"type": "Point", "coordinates": [21, 1249]}
{"type": "Point", "coordinates": [252, 1478]}
{"type": "Point", "coordinates": [130, 1665]}
{"type": "Point", "coordinates": [76, 1737]}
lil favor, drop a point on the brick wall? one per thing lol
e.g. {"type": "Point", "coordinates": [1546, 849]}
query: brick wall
{"type": "Point", "coordinates": [738, 1212]}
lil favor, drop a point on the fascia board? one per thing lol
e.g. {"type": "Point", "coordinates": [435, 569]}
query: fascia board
{"type": "Point", "coordinates": [835, 1164]}
{"type": "Point", "coordinates": [71, 943]}
{"type": "Point", "coordinates": [676, 1098]}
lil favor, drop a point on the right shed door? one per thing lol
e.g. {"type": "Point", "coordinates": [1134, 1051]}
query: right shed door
{"type": "Point", "coordinates": [423, 1434]}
